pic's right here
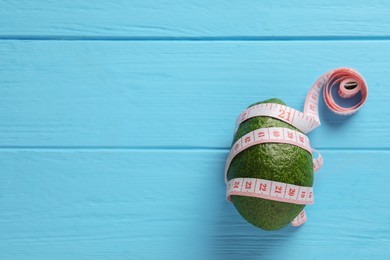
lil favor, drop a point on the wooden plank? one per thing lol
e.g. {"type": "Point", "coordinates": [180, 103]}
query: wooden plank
{"type": "Point", "coordinates": [139, 18]}
{"type": "Point", "coordinates": [176, 94]}
{"type": "Point", "coordinates": [164, 204]}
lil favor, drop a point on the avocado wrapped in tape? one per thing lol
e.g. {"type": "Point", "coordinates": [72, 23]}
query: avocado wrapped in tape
{"type": "Point", "coordinates": [269, 170]}
{"type": "Point", "coordinates": [279, 162]}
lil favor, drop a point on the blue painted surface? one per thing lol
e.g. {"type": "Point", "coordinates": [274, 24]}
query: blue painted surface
{"type": "Point", "coordinates": [116, 120]}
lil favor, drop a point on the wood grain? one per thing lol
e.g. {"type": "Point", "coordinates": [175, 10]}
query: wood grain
{"type": "Point", "coordinates": [116, 118]}
{"type": "Point", "coordinates": [145, 94]}
{"type": "Point", "coordinates": [200, 19]}
{"type": "Point", "coordinates": [153, 204]}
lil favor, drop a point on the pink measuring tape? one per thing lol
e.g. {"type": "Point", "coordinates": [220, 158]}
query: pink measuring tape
{"type": "Point", "coordinates": [349, 82]}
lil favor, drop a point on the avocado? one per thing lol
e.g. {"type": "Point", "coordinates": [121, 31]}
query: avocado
{"type": "Point", "coordinates": [271, 161]}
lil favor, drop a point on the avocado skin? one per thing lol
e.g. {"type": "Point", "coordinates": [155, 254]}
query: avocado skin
{"type": "Point", "coordinates": [271, 161]}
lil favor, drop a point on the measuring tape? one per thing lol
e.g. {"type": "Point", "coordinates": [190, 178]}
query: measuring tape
{"type": "Point", "coordinates": [271, 190]}
{"type": "Point", "coordinates": [349, 83]}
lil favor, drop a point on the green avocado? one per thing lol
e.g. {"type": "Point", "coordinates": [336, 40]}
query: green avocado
{"type": "Point", "coordinates": [271, 161]}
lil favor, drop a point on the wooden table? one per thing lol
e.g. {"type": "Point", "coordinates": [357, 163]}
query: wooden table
{"type": "Point", "coordinates": [116, 118]}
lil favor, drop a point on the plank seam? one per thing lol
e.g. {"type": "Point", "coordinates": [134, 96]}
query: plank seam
{"type": "Point", "coordinates": [157, 148]}
{"type": "Point", "coordinates": [193, 38]}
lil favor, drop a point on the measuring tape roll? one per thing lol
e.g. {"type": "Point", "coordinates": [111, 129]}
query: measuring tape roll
{"type": "Point", "coordinates": [349, 82]}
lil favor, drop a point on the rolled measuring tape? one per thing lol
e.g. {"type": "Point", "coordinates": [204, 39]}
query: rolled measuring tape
{"type": "Point", "coordinates": [349, 83]}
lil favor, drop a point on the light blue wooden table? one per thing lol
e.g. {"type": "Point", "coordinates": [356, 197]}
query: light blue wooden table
{"type": "Point", "coordinates": [114, 114]}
